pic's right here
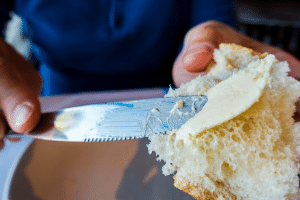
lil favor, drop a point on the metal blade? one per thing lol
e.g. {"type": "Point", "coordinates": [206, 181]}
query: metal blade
{"type": "Point", "coordinates": [117, 120]}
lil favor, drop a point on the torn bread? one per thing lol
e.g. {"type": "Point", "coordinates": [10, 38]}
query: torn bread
{"type": "Point", "coordinates": [244, 144]}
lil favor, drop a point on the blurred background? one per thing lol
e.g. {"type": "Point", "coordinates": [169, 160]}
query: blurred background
{"type": "Point", "coordinates": [276, 22]}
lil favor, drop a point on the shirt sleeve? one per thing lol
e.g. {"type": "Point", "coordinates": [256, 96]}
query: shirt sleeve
{"type": "Point", "coordinates": [5, 7]}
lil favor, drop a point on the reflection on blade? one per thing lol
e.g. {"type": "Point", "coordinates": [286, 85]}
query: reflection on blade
{"type": "Point", "coordinates": [117, 120]}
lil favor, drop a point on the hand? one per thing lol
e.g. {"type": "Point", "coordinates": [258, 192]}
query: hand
{"type": "Point", "coordinates": [20, 87]}
{"type": "Point", "coordinates": [200, 42]}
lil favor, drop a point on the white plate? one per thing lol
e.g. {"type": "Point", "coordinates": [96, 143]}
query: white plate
{"type": "Point", "coordinates": [13, 152]}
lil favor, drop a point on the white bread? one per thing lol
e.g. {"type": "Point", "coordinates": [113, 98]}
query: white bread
{"type": "Point", "coordinates": [251, 154]}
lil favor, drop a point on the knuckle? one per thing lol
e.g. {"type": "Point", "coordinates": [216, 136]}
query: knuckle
{"type": "Point", "coordinates": [210, 23]}
{"type": "Point", "coordinates": [212, 29]}
{"type": "Point", "coordinates": [9, 96]}
{"type": "Point", "coordinates": [208, 31]}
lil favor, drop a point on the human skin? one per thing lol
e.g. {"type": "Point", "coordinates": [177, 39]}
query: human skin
{"type": "Point", "coordinates": [200, 42]}
{"type": "Point", "coordinates": [20, 87]}
{"type": "Point", "coordinates": [20, 83]}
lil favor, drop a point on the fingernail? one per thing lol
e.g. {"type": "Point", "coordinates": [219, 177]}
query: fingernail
{"type": "Point", "coordinates": [22, 113]}
{"type": "Point", "coordinates": [197, 56]}
{"type": "Point", "coordinates": [188, 59]}
{"type": "Point", "coordinates": [200, 47]}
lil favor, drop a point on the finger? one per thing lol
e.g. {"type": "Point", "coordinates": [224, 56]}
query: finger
{"type": "Point", "coordinates": [23, 69]}
{"type": "Point", "coordinates": [1, 144]}
{"type": "Point", "coordinates": [3, 125]}
{"type": "Point", "coordinates": [180, 75]}
{"type": "Point", "coordinates": [197, 57]}
{"type": "Point", "coordinates": [198, 48]}
{"type": "Point", "coordinates": [14, 139]}
{"type": "Point", "coordinates": [281, 55]}
{"type": "Point", "coordinates": [199, 45]}
{"type": "Point", "coordinates": [19, 104]}
{"type": "Point", "coordinates": [18, 100]}
{"type": "Point", "coordinates": [202, 40]}
{"type": "Point", "coordinates": [210, 31]}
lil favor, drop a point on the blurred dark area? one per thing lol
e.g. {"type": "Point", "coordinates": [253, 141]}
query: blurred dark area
{"type": "Point", "coordinates": [274, 22]}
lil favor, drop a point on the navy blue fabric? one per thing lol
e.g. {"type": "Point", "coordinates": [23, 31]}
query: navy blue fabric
{"type": "Point", "coordinates": [5, 7]}
{"type": "Point", "coordinates": [87, 45]}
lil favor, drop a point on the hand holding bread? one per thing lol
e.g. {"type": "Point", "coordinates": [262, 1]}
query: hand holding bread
{"type": "Point", "coordinates": [236, 147]}
{"type": "Point", "coordinates": [200, 42]}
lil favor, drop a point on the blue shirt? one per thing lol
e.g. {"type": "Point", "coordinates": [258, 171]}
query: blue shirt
{"type": "Point", "coordinates": [89, 45]}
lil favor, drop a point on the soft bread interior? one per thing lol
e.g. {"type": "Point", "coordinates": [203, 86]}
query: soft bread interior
{"type": "Point", "coordinates": [249, 153]}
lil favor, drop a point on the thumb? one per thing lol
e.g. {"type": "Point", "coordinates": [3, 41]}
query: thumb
{"type": "Point", "coordinates": [23, 115]}
{"type": "Point", "coordinates": [199, 45]}
{"type": "Point", "coordinates": [19, 101]}
{"type": "Point", "coordinates": [197, 52]}
{"type": "Point", "coordinates": [19, 105]}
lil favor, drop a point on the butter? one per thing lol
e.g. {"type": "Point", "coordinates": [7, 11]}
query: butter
{"type": "Point", "coordinates": [229, 98]}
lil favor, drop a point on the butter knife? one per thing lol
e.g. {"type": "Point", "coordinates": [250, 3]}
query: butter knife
{"type": "Point", "coordinates": [113, 121]}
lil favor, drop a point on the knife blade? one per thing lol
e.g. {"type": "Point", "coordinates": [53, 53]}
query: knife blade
{"type": "Point", "coordinates": [113, 121]}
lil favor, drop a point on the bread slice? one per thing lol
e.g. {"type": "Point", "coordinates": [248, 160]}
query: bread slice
{"type": "Point", "coordinates": [249, 153]}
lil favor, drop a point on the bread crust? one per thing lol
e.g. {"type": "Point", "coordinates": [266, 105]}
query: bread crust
{"type": "Point", "coordinates": [203, 194]}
